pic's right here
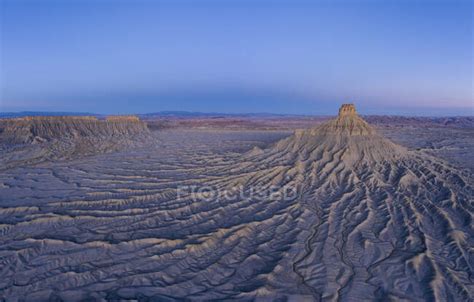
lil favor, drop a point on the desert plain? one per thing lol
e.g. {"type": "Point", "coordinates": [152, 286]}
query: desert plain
{"type": "Point", "coordinates": [169, 208]}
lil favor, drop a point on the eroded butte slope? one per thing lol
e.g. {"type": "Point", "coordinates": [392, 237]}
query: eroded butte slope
{"type": "Point", "coordinates": [386, 223]}
{"type": "Point", "coordinates": [332, 213]}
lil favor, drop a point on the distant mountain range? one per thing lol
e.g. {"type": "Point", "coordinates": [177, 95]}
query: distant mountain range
{"type": "Point", "coordinates": [44, 113]}
{"type": "Point", "coordinates": [190, 114]}
{"type": "Point", "coordinates": [178, 114]}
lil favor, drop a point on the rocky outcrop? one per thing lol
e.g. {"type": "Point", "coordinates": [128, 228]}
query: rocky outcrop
{"type": "Point", "coordinates": [349, 134]}
{"type": "Point", "coordinates": [33, 129]}
{"type": "Point", "coordinates": [347, 109]}
{"type": "Point", "coordinates": [347, 122]}
{"type": "Point", "coordinates": [71, 136]}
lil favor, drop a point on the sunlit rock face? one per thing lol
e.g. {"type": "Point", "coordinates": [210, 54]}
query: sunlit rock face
{"type": "Point", "coordinates": [347, 109]}
{"type": "Point", "coordinates": [347, 122]}
{"type": "Point", "coordinates": [336, 212]}
{"type": "Point", "coordinates": [122, 118]}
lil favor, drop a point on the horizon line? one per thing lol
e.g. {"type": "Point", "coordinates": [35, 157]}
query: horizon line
{"type": "Point", "coordinates": [8, 114]}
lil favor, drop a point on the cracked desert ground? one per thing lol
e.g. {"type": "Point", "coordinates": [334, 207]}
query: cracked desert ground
{"type": "Point", "coordinates": [368, 219]}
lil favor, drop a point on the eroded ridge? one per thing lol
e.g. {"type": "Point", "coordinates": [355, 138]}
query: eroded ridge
{"type": "Point", "coordinates": [30, 140]}
{"type": "Point", "coordinates": [48, 128]}
{"type": "Point", "coordinates": [370, 221]}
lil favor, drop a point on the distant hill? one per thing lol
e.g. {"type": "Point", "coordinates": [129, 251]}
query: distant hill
{"type": "Point", "coordinates": [45, 113]}
{"type": "Point", "coordinates": [213, 114]}
{"type": "Point", "coordinates": [404, 121]}
{"type": "Point", "coordinates": [181, 114]}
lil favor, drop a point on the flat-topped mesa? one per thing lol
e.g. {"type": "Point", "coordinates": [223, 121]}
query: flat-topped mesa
{"type": "Point", "coordinates": [347, 122]}
{"type": "Point", "coordinates": [48, 128]}
{"type": "Point", "coordinates": [347, 109]}
{"type": "Point", "coordinates": [122, 118]}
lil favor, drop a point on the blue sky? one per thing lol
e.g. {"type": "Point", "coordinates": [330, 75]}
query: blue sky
{"type": "Point", "coordinates": [104, 56]}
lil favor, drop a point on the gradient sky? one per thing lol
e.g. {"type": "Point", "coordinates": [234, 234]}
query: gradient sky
{"type": "Point", "coordinates": [303, 57]}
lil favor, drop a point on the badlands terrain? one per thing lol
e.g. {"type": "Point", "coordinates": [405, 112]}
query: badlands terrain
{"type": "Point", "coordinates": [115, 209]}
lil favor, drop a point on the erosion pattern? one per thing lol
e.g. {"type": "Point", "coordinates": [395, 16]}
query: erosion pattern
{"type": "Point", "coordinates": [354, 217]}
{"type": "Point", "coordinates": [31, 140]}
